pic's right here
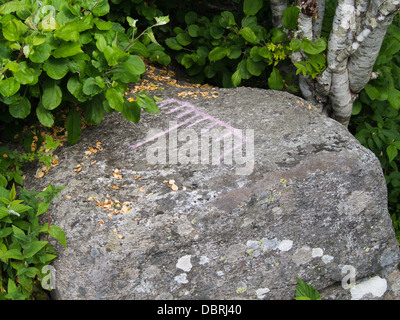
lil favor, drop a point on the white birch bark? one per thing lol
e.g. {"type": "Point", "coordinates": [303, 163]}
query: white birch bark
{"type": "Point", "coordinates": [277, 8]}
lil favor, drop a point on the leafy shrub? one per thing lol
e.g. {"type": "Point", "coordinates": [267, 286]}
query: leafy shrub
{"type": "Point", "coordinates": [62, 54]}
{"type": "Point", "coordinates": [376, 117]}
{"type": "Point", "coordinates": [232, 47]}
{"type": "Point", "coordinates": [23, 252]}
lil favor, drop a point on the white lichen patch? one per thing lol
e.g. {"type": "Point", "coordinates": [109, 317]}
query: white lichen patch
{"type": "Point", "coordinates": [317, 252]}
{"type": "Point", "coordinates": [204, 260]}
{"type": "Point", "coordinates": [181, 278]}
{"type": "Point", "coordinates": [285, 245]}
{"type": "Point", "coordinates": [375, 286]}
{"type": "Point", "coordinates": [184, 263]}
{"type": "Point", "coordinates": [262, 292]}
{"type": "Point", "coordinates": [327, 258]}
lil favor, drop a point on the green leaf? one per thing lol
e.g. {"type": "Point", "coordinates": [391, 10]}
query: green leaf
{"type": "Point", "coordinates": [94, 110]}
{"type": "Point", "coordinates": [146, 102]}
{"type": "Point", "coordinates": [45, 117]}
{"type": "Point", "coordinates": [21, 109]}
{"type": "Point", "coordinates": [173, 44]}
{"type": "Point", "coordinates": [13, 254]}
{"type": "Point", "coordinates": [75, 87]}
{"type": "Point", "coordinates": [115, 99]}
{"type": "Point", "coordinates": [131, 111]}
{"type": "Point", "coordinates": [9, 87]}
{"type": "Point", "coordinates": [392, 152]}
{"type": "Point", "coordinates": [316, 47]}
{"type": "Point", "coordinates": [394, 98]}
{"type": "Point", "coordinates": [255, 68]}
{"type": "Point", "coordinates": [4, 232]}
{"type": "Point", "coordinates": [184, 39]}
{"type": "Point", "coordinates": [236, 78]}
{"type": "Point", "coordinates": [11, 6]}
{"type": "Point", "coordinates": [372, 92]}
{"type": "Point", "coordinates": [103, 25]}
{"type": "Point", "coordinates": [275, 80]}
{"type": "Point", "coordinates": [14, 29]}
{"type": "Point", "coordinates": [357, 106]}
{"type": "Point", "coordinates": [100, 8]}
{"type": "Point", "coordinates": [52, 95]}
{"type": "Point", "coordinates": [304, 291]}
{"type": "Point", "coordinates": [112, 55]}
{"type": "Point", "coordinates": [25, 75]}
{"type": "Point", "coordinates": [58, 233]}
{"type": "Point", "coordinates": [160, 21]}
{"type": "Point", "coordinates": [33, 248]}
{"type": "Point", "coordinates": [67, 50]}
{"type": "Point", "coordinates": [251, 7]}
{"type": "Point", "coordinates": [134, 64]}
{"type": "Point", "coordinates": [40, 53]}
{"type": "Point", "coordinates": [73, 126]}
{"type": "Point", "coordinates": [93, 86]}
{"type": "Point", "coordinates": [218, 53]}
{"type": "Point", "coordinates": [249, 35]}
{"type": "Point", "coordinates": [68, 32]}
{"type": "Point", "coordinates": [191, 17]}
{"type": "Point", "coordinates": [56, 68]}
{"type": "Point", "coordinates": [289, 18]}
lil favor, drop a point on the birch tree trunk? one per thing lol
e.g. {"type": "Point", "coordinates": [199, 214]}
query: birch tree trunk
{"type": "Point", "coordinates": [358, 29]}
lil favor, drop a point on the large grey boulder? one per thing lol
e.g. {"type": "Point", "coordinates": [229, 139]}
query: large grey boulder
{"type": "Point", "coordinates": [304, 200]}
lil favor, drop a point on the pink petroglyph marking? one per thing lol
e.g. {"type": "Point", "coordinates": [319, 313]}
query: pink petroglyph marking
{"type": "Point", "coordinates": [187, 108]}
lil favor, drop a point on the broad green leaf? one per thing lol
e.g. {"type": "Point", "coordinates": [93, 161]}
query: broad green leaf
{"type": "Point", "coordinates": [173, 44]}
{"type": "Point", "coordinates": [236, 78]}
{"type": "Point", "coordinates": [357, 106]}
{"type": "Point", "coordinates": [93, 86]}
{"type": "Point", "coordinates": [58, 233]}
{"type": "Point", "coordinates": [289, 18]}
{"type": "Point", "coordinates": [392, 152]}
{"type": "Point", "coordinates": [42, 207]}
{"type": "Point", "coordinates": [33, 248]}
{"type": "Point", "coordinates": [67, 49]}
{"type": "Point", "coordinates": [73, 126]}
{"type": "Point", "coordinates": [103, 25]}
{"type": "Point", "coordinates": [75, 87]}
{"type": "Point", "coordinates": [191, 17]}
{"type": "Point", "coordinates": [20, 109]}
{"type": "Point", "coordinates": [304, 291]}
{"type": "Point", "coordinates": [56, 68]}
{"type": "Point", "coordinates": [14, 29]}
{"type": "Point", "coordinates": [9, 87]}
{"type": "Point", "coordinates": [52, 95]}
{"type": "Point", "coordinates": [251, 7]}
{"type": "Point", "coordinates": [255, 68]}
{"type": "Point", "coordinates": [40, 53]}
{"type": "Point", "coordinates": [13, 254]}
{"type": "Point", "coordinates": [194, 31]}
{"type": "Point", "coordinates": [316, 47]}
{"type": "Point", "coordinates": [94, 110]}
{"type": "Point", "coordinates": [131, 111]}
{"type": "Point", "coordinates": [184, 39]}
{"type": "Point", "coordinates": [134, 64]}
{"type": "Point", "coordinates": [115, 99]}
{"type": "Point", "coordinates": [371, 91]}
{"type": "Point", "coordinates": [249, 35]}
{"type": "Point", "coordinates": [275, 80]}
{"type": "Point", "coordinates": [45, 117]}
{"type": "Point", "coordinates": [100, 8]}
{"type": "Point", "coordinates": [394, 98]}
{"type": "Point", "coordinates": [296, 44]}
{"type": "Point", "coordinates": [160, 21]}
{"type": "Point", "coordinates": [11, 6]}
{"type": "Point", "coordinates": [68, 32]}
{"type": "Point", "coordinates": [216, 32]}
{"type": "Point", "coordinates": [25, 75]}
{"type": "Point", "coordinates": [4, 232]}
{"type": "Point", "coordinates": [218, 53]}
{"type": "Point", "coordinates": [112, 55]}
{"type": "Point", "coordinates": [146, 102]}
